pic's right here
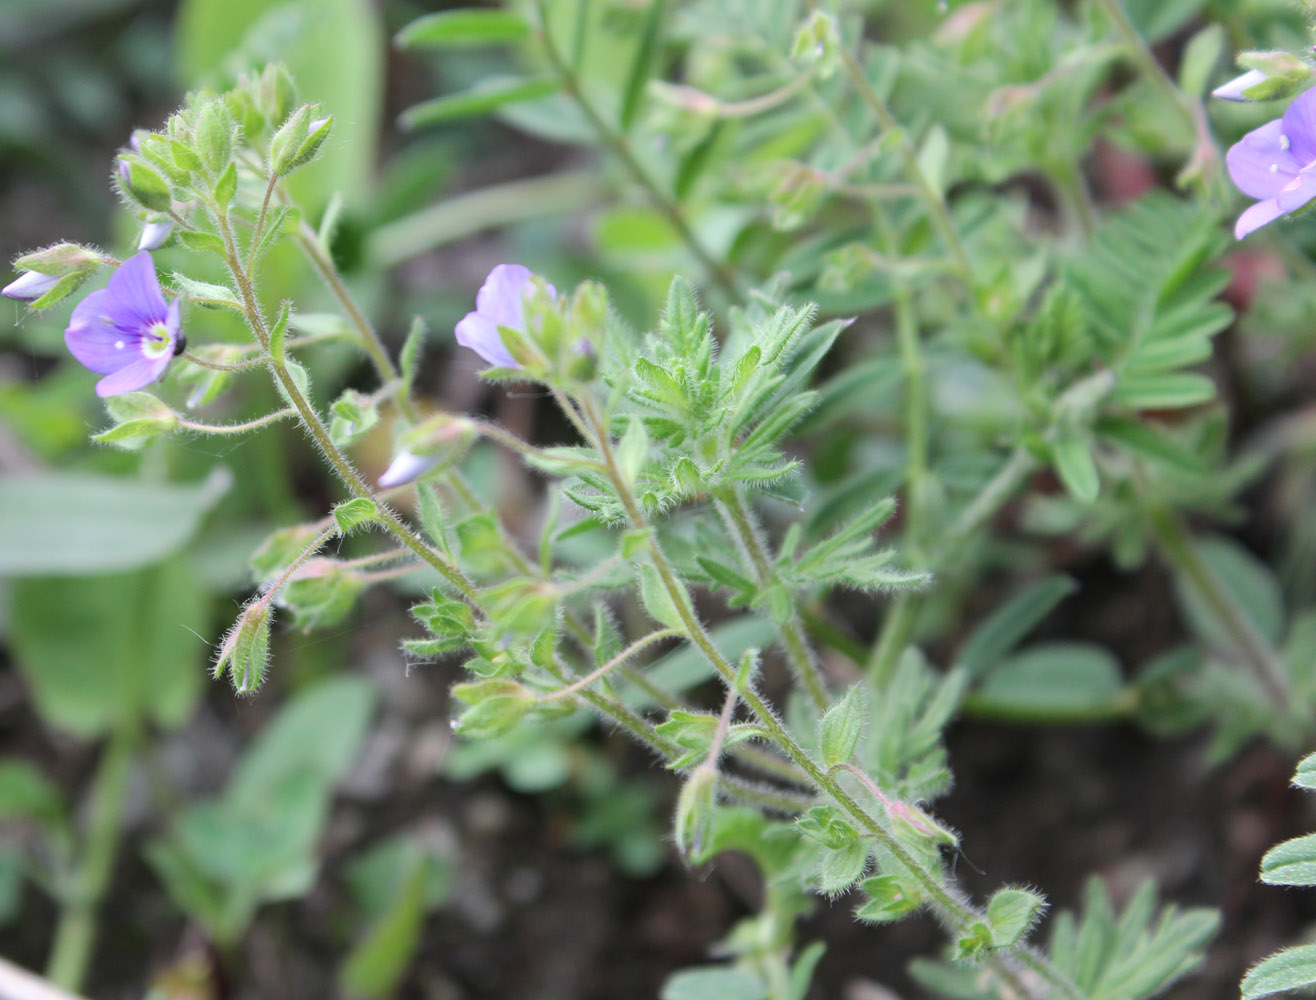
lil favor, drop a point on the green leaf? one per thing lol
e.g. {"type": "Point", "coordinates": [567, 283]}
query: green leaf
{"type": "Point", "coordinates": [1169, 391]}
{"type": "Point", "coordinates": [26, 793]}
{"type": "Point", "coordinates": [227, 186]}
{"type": "Point", "coordinates": [642, 65]}
{"type": "Point", "coordinates": [842, 867]}
{"type": "Point", "coordinates": [841, 728]}
{"type": "Point", "coordinates": [1291, 863]}
{"type": "Point", "coordinates": [60, 522]}
{"type": "Point", "coordinates": [889, 900]}
{"type": "Point", "coordinates": [1200, 56]}
{"type": "Point", "coordinates": [351, 514]}
{"type": "Point", "coordinates": [461, 29]}
{"type": "Point", "coordinates": [1008, 624]}
{"type": "Point", "coordinates": [133, 655]}
{"type": "Point", "coordinates": [1305, 776]}
{"type": "Point", "coordinates": [1072, 455]}
{"type": "Point", "coordinates": [1150, 443]}
{"type": "Point", "coordinates": [1053, 682]}
{"type": "Point", "coordinates": [1011, 912]}
{"type": "Point", "coordinates": [319, 733]}
{"type": "Point", "coordinates": [657, 601]}
{"type": "Point", "coordinates": [1249, 581]}
{"type": "Point", "coordinates": [713, 983]}
{"type": "Point", "coordinates": [375, 966]}
{"type": "Point", "coordinates": [489, 95]}
{"type": "Point", "coordinates": [1290, 969]}
{"type": "Point", "coordinates": [204, 293]}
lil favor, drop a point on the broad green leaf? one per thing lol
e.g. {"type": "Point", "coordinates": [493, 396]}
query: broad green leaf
{"type": "Point", "coordinates": [1305, 776]}
{"type": "Point", "coordinates": [1290, 969]}
{"type": "Point", "coordinates": [318, 732]}
{"type": "Point", "coordinates": [1291, 863]}
{"type": "Point", "coordinates": [1009, 623]}
{"type": "Point", "coordinates": [1155, 19]}
{"type": "Point", "coordinates": [1052, 682]}
{"type": "Point", "coordinates": [1249, 581]}
{"type": "Point", "coordinates": [1010, 913]}
{"type": "Point", "coordinates": [489, 95]}
{"type": "Point", "coordinates": [80, 523]}
{"type": "Point", "coordinates": [712, 983]}
{"type": "Point", "coordinates": [98, 651]}
{"type": "Point", "coordinates": [26, 793]}
{"type": "Point", "coordinates": [462, 28]}
{"type": "Point", "coordinates": [841, 728]}
{"type": "Point", "coordinates": [1072, 455]}
{"type": "Point", "coordinates": [1169, 391]}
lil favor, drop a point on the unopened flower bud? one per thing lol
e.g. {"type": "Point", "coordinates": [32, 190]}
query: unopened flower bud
{"type": "Point", "coordinates": [154, 235]}
{"type": "Point", "coordinates": [298, 140]}
{"type": "Point", "coordinates": [433, 444]}
{"type": "Point", "coordinates": [213, 136]}
{"type": "Point", "coordinates": [29, 286]}
{"type": "Point", "coordinates": [694, 811]}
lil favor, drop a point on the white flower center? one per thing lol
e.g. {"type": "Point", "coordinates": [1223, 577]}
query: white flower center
{"type": "Point", "coordinates": [118, 345]}
{"type": "Point", "coordinates": [1274, 168]}
{"type": "Point", "coordinates": [1283, 141]}
{"type": "Point", "coordinates": [155, 340]}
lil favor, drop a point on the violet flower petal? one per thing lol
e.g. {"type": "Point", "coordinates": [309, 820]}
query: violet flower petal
{"type": "Point", "coordinates": [29, 286]}
{"type": "Point", "coordinates": [480, 334]}
{"type": "Point", "coordinates": [1259, 164]}
{"type": "Point", "coordinates": [1261, 214]}
{"type": "Point", "coordinates": [406, 468]}
{"type": "Point", "coordinates": [126, 330]}
{"type": "Point", "coordinates": [134, 297]}
{"type": "Point", "coordinates": [1299, 127]}
{"type": "Point", "coordinates": [132, 377]}
{"type": "Point", "coordinates": [501, 297]}
{"type": "Point", "coordinates": [95, 341]}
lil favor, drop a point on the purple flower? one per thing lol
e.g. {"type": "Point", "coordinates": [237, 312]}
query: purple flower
{"type": "Point", "coordinates": [1277, 164]}
{"type": "Point", "coordinates": [29, 286]}
{"type": "Point", "coordinates": [500, 303]}
{"type": "Point", "coordinates": [126, 331]}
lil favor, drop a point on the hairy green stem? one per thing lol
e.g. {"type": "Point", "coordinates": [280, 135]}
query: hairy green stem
{"type": "Point", "coordinates": [320, 434]}
{"type": "Point", "coordinates": [75, 934]}
{"type": "Point", "coordinates": [250, 425]}
{"type": "Point", "coordinates": [799, 654]}
{"type": "Point", "coordinates": [638, 646]}
{"type": "Point", "coordinates": [946, 901]}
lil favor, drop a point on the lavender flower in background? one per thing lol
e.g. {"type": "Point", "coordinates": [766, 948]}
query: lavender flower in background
{"type": "Point", "coordinates": [407, 467]}
{"type": "Point", "coordinates": [1277, 164]}
{"type": "Point", "coordinates": [499, 303]}
{"type": "Point", "coordinates": [29, 286]}
{"type": "Point", "coordinates": [126, 331]}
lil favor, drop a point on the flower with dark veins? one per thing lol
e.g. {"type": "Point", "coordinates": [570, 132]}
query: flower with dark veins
{"type": "Point", "coordinates": [499, 303]}
{"type": "Point", "coordinates": [126, 331]}
{"type": "Point", "coordinates": [1276, 163]}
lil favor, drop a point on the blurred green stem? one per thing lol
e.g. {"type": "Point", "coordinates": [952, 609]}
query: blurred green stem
{"type": "Point", "coordinates": [318, 255]}
{"type": "Point", "coordinates": [1178, 548]}
{"type": "Point", "coordinates": [898, 625]}
{"type": "Point", "coordinates": [620, 147]}
{"type": "Point", "coordinates": [933, 201]}
{"type": "Point", "coordinates": [75, 935]}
